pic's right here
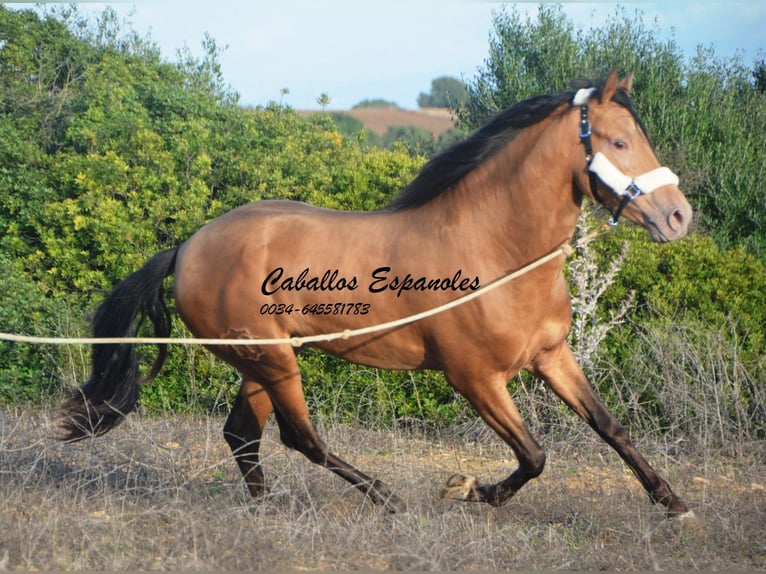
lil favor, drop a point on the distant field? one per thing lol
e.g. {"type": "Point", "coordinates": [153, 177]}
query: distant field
{"type": "Point", "coordinates": [164, 494]}
{"type": "Point", "coordinates": [435, 120]}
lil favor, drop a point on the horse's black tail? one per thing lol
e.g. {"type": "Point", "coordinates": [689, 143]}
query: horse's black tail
{"type": "Point", "coordinates": [112, 390]}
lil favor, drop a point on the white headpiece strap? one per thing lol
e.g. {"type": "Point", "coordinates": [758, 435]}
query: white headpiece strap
{"type": "Point", "coordinates": [582, 97]}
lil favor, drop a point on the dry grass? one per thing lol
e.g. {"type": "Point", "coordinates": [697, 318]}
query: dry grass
{"type": "Point", "coordinates": [165, 494]}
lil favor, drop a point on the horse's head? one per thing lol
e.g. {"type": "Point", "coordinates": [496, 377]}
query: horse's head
{"type": "Point", "coordinates": [619, 167]}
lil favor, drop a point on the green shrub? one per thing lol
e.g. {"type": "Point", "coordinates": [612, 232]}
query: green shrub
{"type": "Point", "coordinates": [688, 381]}
{"type": "Point", "coordinates": [28, 373]}
{"type": "Point", "coordinates": [692, 349]}
{"type": "Point", "coordinates": [696, 280]}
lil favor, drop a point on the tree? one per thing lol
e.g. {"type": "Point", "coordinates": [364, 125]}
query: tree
{"type": "Point", "coordinates": [446, 92]}
{"type": "Point", "coordinates": [323, 100]}
{"type": "Point", "coordinates": [759, 75]}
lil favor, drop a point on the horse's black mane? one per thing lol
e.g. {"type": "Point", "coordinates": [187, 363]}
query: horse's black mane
{"type": "Point", "coordinates": [447, 169]}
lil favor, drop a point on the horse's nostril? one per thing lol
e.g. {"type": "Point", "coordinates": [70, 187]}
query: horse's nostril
{"type": "Point", "coordinates": [678, 219]}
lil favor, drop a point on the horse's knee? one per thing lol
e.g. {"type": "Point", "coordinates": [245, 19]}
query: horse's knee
{"type": "Point", "coordinates": [315, 451]}
{"type": "Point", "coordinates": [288, 438]}
{"type": "Point", "coordinates": [308, 445]}
{"type": "Point", "coordinates": [233, 429]}
{"type": "Point", "coordinates": [533, 463]}
{"type": "Point", "coordinates": [304, 440]}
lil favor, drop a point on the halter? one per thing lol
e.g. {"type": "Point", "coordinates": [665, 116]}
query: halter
{"type": "Point", "coordinates": [600, 167]}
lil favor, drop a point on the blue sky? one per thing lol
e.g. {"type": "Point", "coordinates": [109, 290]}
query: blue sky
{"type": "Point", "coordinates": [353, 50]}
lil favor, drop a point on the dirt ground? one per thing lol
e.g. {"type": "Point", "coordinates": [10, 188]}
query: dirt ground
{"type": "Point", "coordinates": [164, 494]}
{"type": "Point", "coordinates": [435, 120]}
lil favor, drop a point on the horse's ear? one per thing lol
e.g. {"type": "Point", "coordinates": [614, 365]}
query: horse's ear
{"type": "Point", "coordinates": [626, 83]}
{"type": "Point", "coordinates": [610, 86]}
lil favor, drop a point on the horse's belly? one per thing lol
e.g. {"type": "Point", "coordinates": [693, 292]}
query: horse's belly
{"type": "Point", "coordinates": [392, 351]}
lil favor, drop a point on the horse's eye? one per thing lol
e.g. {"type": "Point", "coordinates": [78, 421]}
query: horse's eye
{"type": "Point", "coordinates": [620, 143]}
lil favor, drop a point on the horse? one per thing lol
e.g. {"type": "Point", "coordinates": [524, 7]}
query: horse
{"type": "Point", "coordinates": [502, 197]}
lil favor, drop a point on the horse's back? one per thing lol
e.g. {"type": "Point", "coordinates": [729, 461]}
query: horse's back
{"type": "Point", "coordinates": [220, 270]}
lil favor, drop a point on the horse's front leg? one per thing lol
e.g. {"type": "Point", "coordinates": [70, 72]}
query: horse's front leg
{"type": "Point", "coordinates": [558, 367]}
{"type": "Point", "coordinates": [489, 396]}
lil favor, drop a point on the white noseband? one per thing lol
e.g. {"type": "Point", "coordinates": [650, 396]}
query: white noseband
{"type": "Point", "coordinates": [625, 185]}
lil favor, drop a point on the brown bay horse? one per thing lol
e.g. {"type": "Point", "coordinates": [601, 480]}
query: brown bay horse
{"type": "Point", "coordinates": [503, 197]}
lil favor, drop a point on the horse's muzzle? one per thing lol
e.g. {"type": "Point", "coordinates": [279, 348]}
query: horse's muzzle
{"type": "Point", "coordinates": [667, 217]}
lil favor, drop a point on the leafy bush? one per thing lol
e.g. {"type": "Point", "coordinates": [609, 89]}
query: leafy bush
{"type": "Point", "coordinates": [694, 280]}
{"type": "Point", "coordinates": [691, 382]}
{"type": "Point", "coordinates": [27, 373]}
{"type": "Point", "coordinates": [342, 392]}
{"type": "Point", "coordinates": [415, 139]}
{"type": "Point", "coordinates": [704, 297]}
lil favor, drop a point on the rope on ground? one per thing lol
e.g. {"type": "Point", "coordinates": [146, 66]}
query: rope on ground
{"type": "Point", "coordinates": [565, 250]}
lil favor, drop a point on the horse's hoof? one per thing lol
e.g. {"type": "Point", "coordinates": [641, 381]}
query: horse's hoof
{"type": "Point", "coordinates": [258, 490]}
{"type": "Point", "coordinates": [687, 516]}
{"type": "Point", "coordinates": [395, 505]}
{"type": "Point", "coordinates": [683, 524]}
{"type": "Point", "coordinates": [687, 522]}
{"type": "Point", "coordinates": [459, 487]}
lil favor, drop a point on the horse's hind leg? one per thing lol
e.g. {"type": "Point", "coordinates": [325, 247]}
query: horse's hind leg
{"type": "Point", "coordinates": [297, 432]}
{"type": "Point", "coordinates": [560, 370]}
{"type": "Point", "coordinates": [243, 431]}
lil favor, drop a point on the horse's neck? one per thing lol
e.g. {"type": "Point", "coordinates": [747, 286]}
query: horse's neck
{"type": "Point", "coordinates": [523, 197]}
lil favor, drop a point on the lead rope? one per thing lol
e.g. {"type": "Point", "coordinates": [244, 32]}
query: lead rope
{"type": "Point", "coordinates": [565, 250]}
